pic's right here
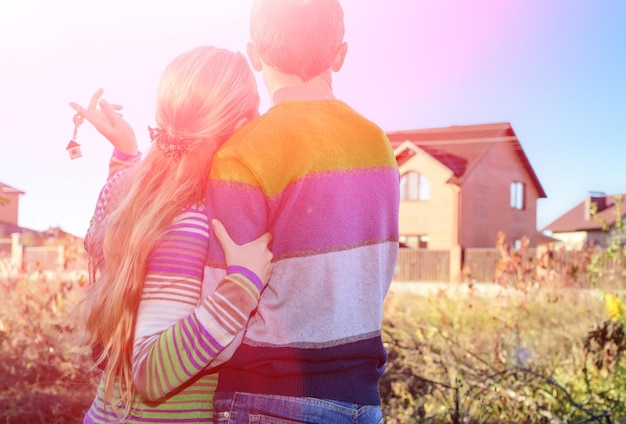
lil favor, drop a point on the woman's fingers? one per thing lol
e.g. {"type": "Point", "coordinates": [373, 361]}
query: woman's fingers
{"type": "Point", "coordinates": [94, 99]}
{"type": "Point", "coordinates": [222, 236]}
{"type": "Point", "coordinates": [256, 255]}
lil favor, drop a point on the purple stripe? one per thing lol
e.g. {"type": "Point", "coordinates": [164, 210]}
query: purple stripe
{"type": "Point", "coordinates": [179, 355]}
{"type": "Point", "coordinates": [187, 347]}
{"type": "Point", "coordinates": [174, 266]}
{"type": "Point", "coordinates": [183, 234]}
{"type": "Point", "coordinates": [196, 332]}
{"type": "Point", "coordinates": [164, 269]}
{"type": "Point", "coordinates": [321, 213]}
{"type": "Point", "coordinates": [125, 157]}
{"type": "Point", "coordinates": [236, 269]}
{"type": "Point", "coordinates": [167, 271]}
{"type": "Point", "coordinates": [189, 255]}
{"type": "Point", "coordinates": [203, 335]}
{"type": "Point", "coordinates": [96, 405]}
{"type": "Point", "coordinates": [111, 417]}
{"type": "Point", "coordinates": [175, 419]}
{"type": "Point", "coordinates": [180, 252]}
{"type": "Point", "coordinates": [174, 258]}
{"type": "Point", "coordinates": [208, 336]}
{"type": "Point", "coordinates": [183, 245]}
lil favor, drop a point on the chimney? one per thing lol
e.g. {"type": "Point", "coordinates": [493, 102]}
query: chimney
{"type": "Point", "coordinates": [597, 197]}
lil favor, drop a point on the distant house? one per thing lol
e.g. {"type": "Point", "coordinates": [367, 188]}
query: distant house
{"type": "Point", "coordinates": [461, 185]}
{"type": "Point", "coordinates": [9, 206]}
{"type": "Point", "coordinates": [24, 249]}
{"type": "Point", "coordinates": [578, 228]}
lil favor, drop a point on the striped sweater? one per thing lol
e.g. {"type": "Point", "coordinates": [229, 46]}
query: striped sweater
{"type": "Point", "coordinates": [180, 327]}
{"type": "Point", "coordinates": [324, 181]}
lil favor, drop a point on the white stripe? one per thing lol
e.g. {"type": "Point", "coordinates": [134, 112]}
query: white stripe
{"type": "Point", "coordinates": [312, 300]}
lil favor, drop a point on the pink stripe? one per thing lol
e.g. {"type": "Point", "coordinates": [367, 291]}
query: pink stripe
{"type": "Point", "coordinates": [324, 212]}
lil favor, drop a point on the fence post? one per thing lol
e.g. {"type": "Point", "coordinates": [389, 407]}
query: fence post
{"type": "Point", "coordinates": [17, 252]}
{"type": "Point", "coordinates": [60, 257]}
{"type": "Point", "coordinates": [455, 264]}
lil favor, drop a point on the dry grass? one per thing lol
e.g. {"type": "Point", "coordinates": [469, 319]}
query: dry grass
{"type": "Point", "coordinates": [458, 356]}
{"type": "Point", "coordinates": [43, 378]}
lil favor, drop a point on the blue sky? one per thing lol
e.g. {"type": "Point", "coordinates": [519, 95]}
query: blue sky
{"type": "Point", "coordinates": [554, 69]}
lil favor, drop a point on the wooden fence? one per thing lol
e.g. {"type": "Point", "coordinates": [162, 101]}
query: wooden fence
{"type": "Point", "coordinates": [423, 265]}
{"type": "Point", "coordinates": [482, 265]}
{"type": "Point", "coordinates": [16, 258]}
{"type": "Point", "coordinates": [571, 267]}
{"type": "Point", "coordinates": [43, 258]}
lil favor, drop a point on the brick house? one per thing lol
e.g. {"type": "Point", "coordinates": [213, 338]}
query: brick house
{"type": "Point", "coordinates": [461, 185]}
{"type": "Point", "coordinates": [24, 249]}
{"type": "Point", "coordinates": [9, 205]}
{"type": "Point", "coordinates": [577, 228]}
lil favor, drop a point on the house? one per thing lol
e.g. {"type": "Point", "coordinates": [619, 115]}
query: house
{"type": "Point", "coordinates": [589, 222]}
{"type": "Point", "coordinates": [73, 149]}
{"type": "Point", "coordinates": [9, 209]}
{"type": "Point", "coordinates": [9, 206]}
{"type": "Point", "coordinates": [24, 249]}
{"type": "Point", "coordinates": [461, 185]}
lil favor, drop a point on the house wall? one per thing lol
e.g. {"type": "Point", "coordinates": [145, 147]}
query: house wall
{"type": "Point", "coordinates": [577, 240]}
{"type": "Point", "coordinates": [574, 240]}
{"type": "Point", "coordinates": [436, 217]}
{"type": "Point", "coordinates": [9, 210]}
{"type": "Point", "coordinates": [485, 200]}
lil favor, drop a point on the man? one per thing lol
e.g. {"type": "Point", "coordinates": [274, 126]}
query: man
{"type": "Point", "coordinates": [324, 181]}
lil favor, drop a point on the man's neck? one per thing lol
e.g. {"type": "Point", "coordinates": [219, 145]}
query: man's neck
{"type": "Point", "coordinates": [282, 86]}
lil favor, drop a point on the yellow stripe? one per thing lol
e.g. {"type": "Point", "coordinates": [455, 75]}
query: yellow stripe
{"type": "Point", "coordinates": [288, 143]}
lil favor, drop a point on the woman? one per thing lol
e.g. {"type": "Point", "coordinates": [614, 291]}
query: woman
{"type": "Point", "coordinates": [155, 326]}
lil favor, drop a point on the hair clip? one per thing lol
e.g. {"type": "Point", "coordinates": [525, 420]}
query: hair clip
{"type": "Point", "coordinates": [171, 146]}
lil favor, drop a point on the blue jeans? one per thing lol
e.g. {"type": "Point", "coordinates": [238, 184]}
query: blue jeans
{"type": "Point", "coordinates": [247, 408]}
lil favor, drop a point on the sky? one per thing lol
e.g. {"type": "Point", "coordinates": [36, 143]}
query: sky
{"type": "Point", "coordinates": [555, 70]}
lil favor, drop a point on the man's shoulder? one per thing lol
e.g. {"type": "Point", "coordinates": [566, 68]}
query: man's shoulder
{"type": "Point", "coordinates": [303, 129]}
{"type": "Point", "coordinates": [291, 115]}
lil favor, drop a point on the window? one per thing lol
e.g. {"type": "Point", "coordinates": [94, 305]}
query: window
{"type": "Point", "coordinates": [414, 242]}
{"type": "Point", "coordinates": [517, 195]}
{"type": "Point", "coordinates": [414, 186]}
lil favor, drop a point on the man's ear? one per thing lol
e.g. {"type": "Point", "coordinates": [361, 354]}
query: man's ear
{"type": "Point", "coordinates": [340, 57]}
{"type": "Point", "coordinates": [253, 56]}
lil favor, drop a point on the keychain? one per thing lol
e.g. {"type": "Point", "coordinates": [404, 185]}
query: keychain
{"type": "Point", "coordinates": [73, 147]}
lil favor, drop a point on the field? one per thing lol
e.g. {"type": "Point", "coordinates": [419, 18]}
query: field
{"type": "Point", "coordinates": [44, 377]}
{"type": "Point", "coordinates": [460, 355]}
{"type": "Point", "coordinates": [479, 354]}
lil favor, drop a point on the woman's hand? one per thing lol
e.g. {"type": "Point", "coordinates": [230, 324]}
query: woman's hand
{"type": "Point", "coordinates": [255, 255]}
{"type": "Point", "coordinates": [109, 123]}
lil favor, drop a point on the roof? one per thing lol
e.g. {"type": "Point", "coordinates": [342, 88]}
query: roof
{"type": "Point", "coordinates": [460, 147]}
{"type": "Point", "coordinates": [7, 228]}
{"type": "Point", "coordinates": [576, 219]}
{"type": "Point", "coordinates": [71, 145]}
{"type": "Point", "coordinates": [8, 189]}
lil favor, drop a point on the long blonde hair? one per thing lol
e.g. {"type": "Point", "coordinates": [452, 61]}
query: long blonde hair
{"type": "Point", "coordinates": [203, 95]}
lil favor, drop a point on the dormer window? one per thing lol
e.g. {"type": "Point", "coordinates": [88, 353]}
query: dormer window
{"type": "Point", "coordinates": [414, 186]}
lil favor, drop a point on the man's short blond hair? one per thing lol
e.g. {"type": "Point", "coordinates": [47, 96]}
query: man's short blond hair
{"type": "Point", "coordinates": [298, 37]}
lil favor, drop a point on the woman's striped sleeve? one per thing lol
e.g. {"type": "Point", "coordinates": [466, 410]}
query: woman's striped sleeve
{"type": "Point", "coordinates": [178, 334]}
